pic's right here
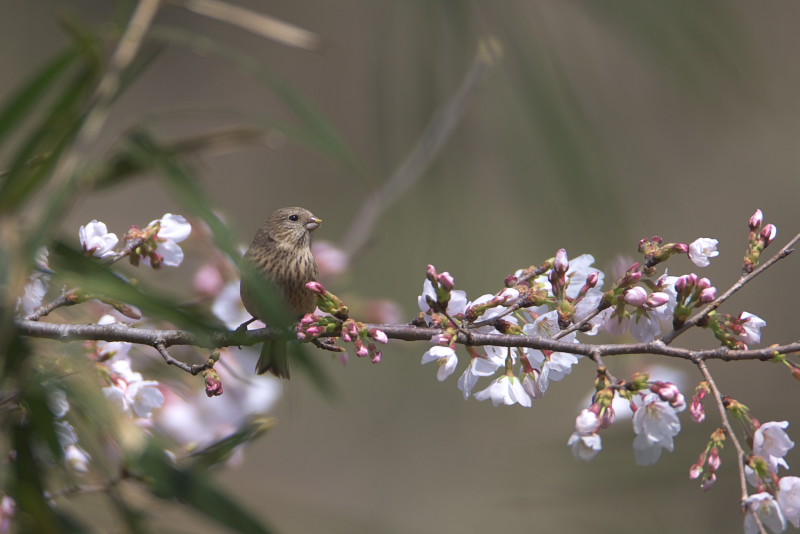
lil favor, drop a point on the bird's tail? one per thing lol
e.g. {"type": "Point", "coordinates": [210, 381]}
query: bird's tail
{"type": "Point", "coordinates": [274, 359]}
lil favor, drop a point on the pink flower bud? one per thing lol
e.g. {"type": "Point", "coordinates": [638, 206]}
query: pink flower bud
{"type": "Point", "coordinates": [377, 356]}
{"type": "Point", "coordinates": [315, 331]}
{"type": "Point", "coordinates": [592, 279]}
{"type": "Point", "coordinates": [768, 233]}
{"type": "Point", "coordinates": [361, 350]}
{"type": "Point", "coordinates": [446, 280]}
{"type": "Point", "coordinates": [708, 295]}
{"type": "Point", "coordinates": [696, 470]}
{"type": "Point", "coordinates": [657, 298]}
{"type": "Point", "coordinates": [669, 392]}
{"type": "Point", "coordinates": [681, 248]}
{"type": "Point", "coordinates": [714, 461]}
{"type": "Point", "coordinates": [697, 411]}
{"type": "Point", "coordinates": [378, 335]}
{"type": "Point", "coordinates": [213, 383]}
{"type": "Point", "coordinates": [317, 288]}
{"type": "Point", "coordinates": [708, 482]}
{"type": "Point", "coordinates": [703, 283]}
{"type": "Point", "coordinates": [308, 319]}
{"type": "Point", "coordinates": [681, 283]}
{"type": "Point", "coordinates": [756, 220]}
{"type": "Point", "coordinates": [561, 263]}
{"type": "Point", "coordinates": [431, 273]}
{"type": "Point", "coordinates": [635, 296]}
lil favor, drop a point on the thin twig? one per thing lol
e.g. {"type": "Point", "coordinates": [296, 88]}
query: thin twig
{"type": "Point", "coordinates": [183, 366]}
{"type": "Point", "coordinates": [66, 298]}
{"type": "Point", "coordinates": [726, 424]}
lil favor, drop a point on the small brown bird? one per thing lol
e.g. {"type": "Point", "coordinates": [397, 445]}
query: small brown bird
{"type": "Point", "coordinates": [281, 253]}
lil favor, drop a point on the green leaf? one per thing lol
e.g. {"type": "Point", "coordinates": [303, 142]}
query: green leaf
{"type": "Point", "coordinates": [195, 489]}
{"type": "Point", "coordinates": [322, 135]}
{"type": "Point", "coordinates": [33, 162]}
{"type": "Point", "coordinates": [90, 275]}
{"type": "Point", "coordinates": [147, 153]}
{"type": "Point", "coordinates": [221, 450]}
{"type": "Point", "coordinates": [32, 431]}
{"type": "Point", "coordinates": [24, 100]}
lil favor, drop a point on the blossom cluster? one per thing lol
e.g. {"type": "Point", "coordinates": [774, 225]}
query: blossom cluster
{"type": "Point", "coordinates": [150, 405]}
{"type": "Point", "coordinates": [564, 299]}
{"type": "Point", "coordinates": [778, 498]}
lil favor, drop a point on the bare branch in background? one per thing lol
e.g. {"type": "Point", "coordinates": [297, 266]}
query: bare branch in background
{"type": "Point", "coordinates": [255, 22]}
{"type": "Point", "coordinates": [428, 146]}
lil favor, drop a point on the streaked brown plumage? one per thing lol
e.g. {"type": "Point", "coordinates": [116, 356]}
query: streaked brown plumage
{"type": "Point", "coordinates": [281, 252]}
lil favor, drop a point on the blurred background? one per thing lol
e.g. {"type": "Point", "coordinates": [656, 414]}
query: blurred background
{"type": "Point", "coordinates": [600, 123]}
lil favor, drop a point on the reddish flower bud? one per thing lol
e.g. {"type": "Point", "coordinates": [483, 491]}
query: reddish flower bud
{"type": "Point", "coordinates": [213, 383]}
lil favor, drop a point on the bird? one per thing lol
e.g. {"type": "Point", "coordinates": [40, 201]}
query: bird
{"type": "Point", "coordinates": [281, 256]}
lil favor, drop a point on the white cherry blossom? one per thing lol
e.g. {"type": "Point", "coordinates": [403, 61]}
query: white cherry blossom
{"type": "Point", "coordinates": [701, 249]}
{"type": "Point", "coordinates": [655, 423]}
{"type": "Point", "coordinates": [96, 240]}
{"type": "Point", "coordinates": [445, 357]}
{"type": "Point", "coordinates": [771, 442]}
{"type": "Point", "coordinates": [507, 390]}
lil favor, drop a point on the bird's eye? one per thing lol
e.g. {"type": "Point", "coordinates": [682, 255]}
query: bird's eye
{"type": "Point", "coordinates": [294, 217]}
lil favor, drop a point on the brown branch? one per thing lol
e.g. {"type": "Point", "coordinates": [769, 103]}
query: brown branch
{"type": "Point", "coordinates": [183, 366]}
{"type": "Point", "coordinates": [405, 332]}
{"type": "Point", "coordinates": [66, 298]}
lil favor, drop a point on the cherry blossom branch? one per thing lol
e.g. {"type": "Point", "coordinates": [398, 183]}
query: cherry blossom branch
{"type": "Point", "coordinates": [405, 332]}
{"type": "Point", "coordinates": [739, 284]}
{"type": "Point", "coordinates": [726, 424]}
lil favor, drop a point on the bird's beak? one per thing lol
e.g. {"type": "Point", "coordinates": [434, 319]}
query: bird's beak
{"type": "Point", "coordinates": [313, 223]}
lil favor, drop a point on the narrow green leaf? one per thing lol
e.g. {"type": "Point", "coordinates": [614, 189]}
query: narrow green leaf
{"type": "Point", "coordinates": [33, 162]}
{"type": "Point", "coordinates": [322, 134]}
{"type": "Point", "coordinates": [221, 450]}
{"type": "Point", "coordinates": [19, 105]}
{"type": "Point", "coordinates": [29, 435]}
{"type": "Point", "coordinates": [94, 277]}
{"type": "Point", "coordinates": [194, 488]}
